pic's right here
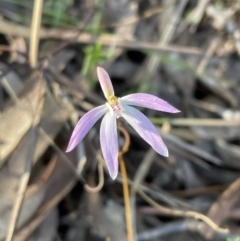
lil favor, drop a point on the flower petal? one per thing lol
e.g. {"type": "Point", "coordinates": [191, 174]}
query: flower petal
{"type": "Point", "coordinates": [109, 143]}
{"type": "Point", "coordinates": [148, 101]}
{"type": "Point", "coordinates": [145, 129]}
{"type": "Point", "coordinates": [105, 82]}
{"type": "Point", "coordinates": [85, 124]}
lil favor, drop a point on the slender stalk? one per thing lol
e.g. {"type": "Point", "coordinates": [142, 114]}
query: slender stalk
{"type": "Point", "coordinates": [128, 213]}
{"type": "Point", "coordinates": [126, 200]}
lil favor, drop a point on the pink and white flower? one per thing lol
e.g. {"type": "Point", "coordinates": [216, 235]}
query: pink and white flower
{"type": "Point", "coordinates": [120, 107]}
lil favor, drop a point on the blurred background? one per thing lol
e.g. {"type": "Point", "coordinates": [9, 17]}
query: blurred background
{"type": "Point", "coordinates": [186, 52]}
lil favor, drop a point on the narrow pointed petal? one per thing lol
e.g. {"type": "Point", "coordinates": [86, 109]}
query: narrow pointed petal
{"type": "Point", "coordinates": [145, 129]}
{"type": "Point", "coordinates": [105, 82]}
{"type": "Point", "coordinates": [109, 143]}
{"type": "Point", "coordinates": [148, 101]}
{"type": "Point", "coordinates": [85, 124]}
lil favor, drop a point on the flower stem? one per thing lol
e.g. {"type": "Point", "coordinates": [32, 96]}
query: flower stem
{"type": "Point", "coordinates": [128, 212]}
{"type": "Point", "coordinates": [126, 200]}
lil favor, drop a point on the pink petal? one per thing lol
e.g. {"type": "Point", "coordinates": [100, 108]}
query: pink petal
{"type": "Point", "coordinates": [85, 124]}
{"type": "Point", "coordinates": [109, 143]}
{"type": "Point", "coordinates": [105, 82]}
{"type": "Point", "coordinates": [148, 101]}
{"type": "Point", "coordinates": [145, 129]}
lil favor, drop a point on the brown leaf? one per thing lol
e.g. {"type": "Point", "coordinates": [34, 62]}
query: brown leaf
{"type": "Point", "coordinates": [16, 121]}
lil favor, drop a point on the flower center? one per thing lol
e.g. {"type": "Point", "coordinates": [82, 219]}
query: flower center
{"type": "Point", "coordinates": [115, 105]}
{"type": "Point", "coordinates": [112, 100]}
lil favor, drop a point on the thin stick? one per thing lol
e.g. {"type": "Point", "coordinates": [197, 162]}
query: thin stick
{"type": "Point", "coordinates": [35, 29]}
{"type": "Point", "coordinates": [197, 122]}
{"type": "Point", "coordinates": [140, 175]}
{"type": "Point", "coordinates": [198, 13]}
{"type": "Point", "coordinates": [100, 183]}
{"type": "Point", "coordinates": [105, 39]}
{"type": "Point", "coordinates": [17, 205]}
{"type": "Point", "coordinates": [132, 20]}
{"type": "Point", "coordinates": [180, 213]}
{"type": "Point", "coordinates": [128, 215]}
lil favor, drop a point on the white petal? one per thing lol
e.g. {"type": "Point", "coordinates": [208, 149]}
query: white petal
{"type": "Point", "coordinates": [85, 124]}
{"type": "Point", "coordinates": [105, 82]}
{"type": "Point", "coordinates": [109, 143]}
{"type": "Point", "coordinates": [145, 129]}
{"type": "Point", "coordinates": [148, 101]}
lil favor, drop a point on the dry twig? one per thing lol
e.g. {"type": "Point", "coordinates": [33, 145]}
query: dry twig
{"type": "Point", "coordinates": [100, 183]}
{"type": "Point", "coordinates": [105, 39]}
{"type": "Point", "coordinates": [198, 13]}
{"type": "Point", "coordinates": [180, 213]}
{"type": "Point", "coordinates": [35, 29]}
{"type": "Point", "coordinates": [138, 178]}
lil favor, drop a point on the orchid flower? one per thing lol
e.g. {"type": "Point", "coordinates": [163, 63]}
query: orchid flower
{"type": "Point", "coordinates": [120, 107]}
